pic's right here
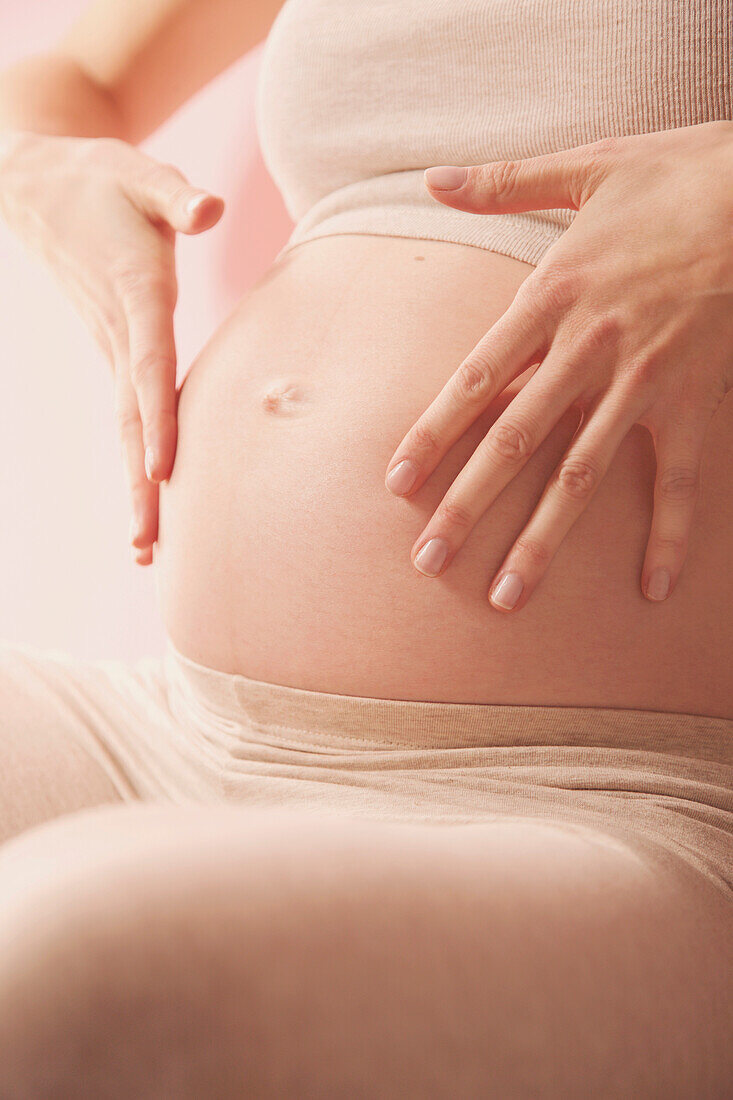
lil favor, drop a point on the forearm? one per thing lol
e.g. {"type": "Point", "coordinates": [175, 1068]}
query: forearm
{"type": "Point", "coordinates": [122, 69]}
{"type": "Point", "coordinates": [51, 94]}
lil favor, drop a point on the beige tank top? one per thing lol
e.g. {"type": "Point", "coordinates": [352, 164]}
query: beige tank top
{"type": "Point", "coordinates": [356, 98]}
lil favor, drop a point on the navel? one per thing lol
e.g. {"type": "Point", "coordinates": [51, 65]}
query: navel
{"type": "Point", "coordinates": [283, 398]}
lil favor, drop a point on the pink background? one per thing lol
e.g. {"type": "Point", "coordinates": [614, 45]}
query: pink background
{"type": "Point", "coordinates": [68, 579]}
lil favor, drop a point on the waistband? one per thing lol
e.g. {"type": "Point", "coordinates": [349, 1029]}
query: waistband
{"type": "Point", "coordinates": [239, 703]}
{"type": "Point", "coordinates": [397, 204]}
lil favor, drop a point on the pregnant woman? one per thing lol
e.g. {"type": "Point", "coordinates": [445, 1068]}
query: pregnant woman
{"type": "Point", "coordinates": [432, 792]}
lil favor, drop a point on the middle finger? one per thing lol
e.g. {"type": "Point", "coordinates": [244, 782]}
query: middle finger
{"type": "Point", "coordinates": [566, 496]}
{"type": "Point", "coordinates": [505, 449]}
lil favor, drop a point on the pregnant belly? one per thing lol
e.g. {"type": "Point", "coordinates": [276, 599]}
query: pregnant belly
{"type": "Point", "coordinates": [282, 556]}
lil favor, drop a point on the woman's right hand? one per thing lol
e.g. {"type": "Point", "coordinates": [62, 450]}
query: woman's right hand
{"type": "Point", "coordinates": [104, 216]}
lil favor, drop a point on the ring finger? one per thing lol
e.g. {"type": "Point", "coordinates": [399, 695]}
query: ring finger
{"type": "Point", "coordinates": [679, 448]}
{"type": "Point", "coordinates": [566, 496]}
{"type": "Point", "coordinates": [505, 449]}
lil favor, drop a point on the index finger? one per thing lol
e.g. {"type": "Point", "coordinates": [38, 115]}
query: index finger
{"type": "Point", "coordinates": [143, 493]}
{"type": "Point", "coordinates": [153, 374]}
{"type": "Point", "coordinates": [512, 344]}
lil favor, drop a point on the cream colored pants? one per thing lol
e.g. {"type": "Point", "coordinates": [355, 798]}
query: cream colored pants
{"type": "Point", "coordinates": [214, 886]}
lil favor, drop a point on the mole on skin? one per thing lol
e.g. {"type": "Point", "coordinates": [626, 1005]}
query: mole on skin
{"type": "Point", "coordinates": [282, 398]}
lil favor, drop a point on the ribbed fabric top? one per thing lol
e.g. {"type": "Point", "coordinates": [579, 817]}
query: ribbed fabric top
{"type": "Point", "coordinates": [356, 98]}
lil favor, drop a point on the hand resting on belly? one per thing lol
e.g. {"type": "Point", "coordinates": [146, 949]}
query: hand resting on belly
{"type": "Point", "coordinates": [281, 555]}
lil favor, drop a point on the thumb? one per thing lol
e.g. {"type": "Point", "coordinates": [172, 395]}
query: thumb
{"type": "Point", "coordinates": [164, 194]}
{"type": "Point", "coordinates": [547, 182]}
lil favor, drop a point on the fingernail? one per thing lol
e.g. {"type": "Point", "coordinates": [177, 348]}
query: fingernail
{"type": "Point", "coordinates": [402, 477]}
{"type": "Point", "coordinates": [134, 529]}
{"type": "Point", "coordinates": [658, 584]}
{"type": "Point", "coordinates": [149, 462]}
{"type": "Point", "coordinates": [431, 557]}
{"type": "Point", "coordinates": [445, 178]}
{"type": "Point", "coordinates": [196, 202]}
{"type": "Point", "coordinates": [507, 591]}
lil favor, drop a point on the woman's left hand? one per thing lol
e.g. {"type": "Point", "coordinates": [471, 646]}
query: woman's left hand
{"type": "Point", "coordinates": [630, 316]}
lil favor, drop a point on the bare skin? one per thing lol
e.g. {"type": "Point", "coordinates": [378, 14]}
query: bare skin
{"type": "Point", "coordinates": [227, 951]}
{"type": "Point", "coordinates": [106, 215]}
{"type": "Point", "coordinates": [361, 359]}
{"type": "Point", "coordinates": [283, 556]}
{"type": "Point", "coordinates": [361, 959]}
{"type": "Point", "coordinates": [626, 344]}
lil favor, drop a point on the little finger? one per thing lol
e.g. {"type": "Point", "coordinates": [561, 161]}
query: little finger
{"type": "Point", "coordinates": [679, 449]}
{"type": "Point", "coordinates": [566, 496]}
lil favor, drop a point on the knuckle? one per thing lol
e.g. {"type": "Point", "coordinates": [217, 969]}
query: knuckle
{"type": "Point", "coordinates": [584, 401]}
{"type": "Point", "coordinates": [678, 483]}
{"type": "Point", "coordinates": [155, 283]}
{"type": "Point", "coordinates": [425, 439]}
{"type": "Point", "coordinates": [128, 277]}
{"type": "Point", "coordinates": [534, 550]}
{"type": "Point", "coordinates": [455, 514]}
{"type": "Point", "coordinates": [510, 442]}
{"type": "Point", "coordinates": [475, 380]}
{"type": "Point", "coordinates": [149, 363]}
{"type": "Point", "coordinates": [112, 322]}
{"type": "Point", "coordinates": [140, 284]}
{"type": "Point", "coordinates": [128, 420]}
{"type": "Point", "coordinates": [604, 148]}
{"type": "Point", "coordinates": [592, 162]}
{"type": "Point", "coordinates": [602, 334]}
{"type": "Point", "coordinates": [500, 177]}
{"type": "Point", "coordinates": [577, 478]}
{"type": "Point", "coordinates": [642, 369]}
{"type": "Point", "coordinates": [673, 544]}
{"type": "Point", "coordinates": [555, 290]}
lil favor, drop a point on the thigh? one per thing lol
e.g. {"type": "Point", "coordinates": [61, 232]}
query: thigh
{"type": "Point", "coordinates": [227, 952]}
{"type": "Point", "coordinates": [51, 762]}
